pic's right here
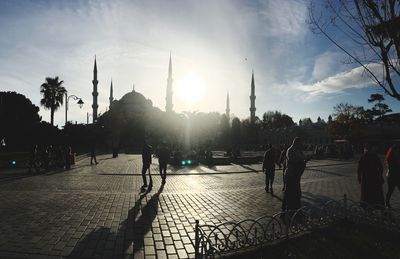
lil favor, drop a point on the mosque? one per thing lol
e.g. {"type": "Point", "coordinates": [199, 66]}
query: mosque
{"type": "Point", "coordinates": [169, 93]}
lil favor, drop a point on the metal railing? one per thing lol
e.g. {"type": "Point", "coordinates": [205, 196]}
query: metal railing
{"type": "Point", "coordinates": [213, 241]}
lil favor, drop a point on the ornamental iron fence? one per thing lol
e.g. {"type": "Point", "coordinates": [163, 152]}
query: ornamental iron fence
{"type": "Point", "coordinates": [213, 241]}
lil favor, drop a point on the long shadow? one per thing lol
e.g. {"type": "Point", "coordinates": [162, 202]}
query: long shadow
{"type": "Point", "coordinates": [249, 168]}
{"type": "Point", "coordinates": [276, 196]}
{"type": "Point", "coordinates": [27, 174]}
{"type": "Point", "coordinates": [107, 158]}
{"type": "Point", "coordinates": [310, 199]}
{"type": "Point", "coordinates": [136, 233]}
{"type": "Point", "coordinates": [130, 236]}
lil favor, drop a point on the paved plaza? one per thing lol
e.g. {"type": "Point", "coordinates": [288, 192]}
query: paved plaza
{"type": "Point", "coordinates": [99, 212]}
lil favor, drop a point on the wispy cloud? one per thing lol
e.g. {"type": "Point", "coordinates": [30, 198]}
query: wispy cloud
{"type": "Point", "coordinates": [354, 78]}
{"type": "Point", "coordinates": [326, 64]}
{"type": "Point", "coordinates": [284, 17]}
{"type": "Point", "coordinates": [220, 41]}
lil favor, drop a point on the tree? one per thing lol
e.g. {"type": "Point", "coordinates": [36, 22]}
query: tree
{"type": "Point", "coordinates": [236, 131]}
{"type": "Point", "coordinates": [53, 95]}
{"type": "Point", "coordinates": [379, 108]}
{"type": "Point", "coordinates": [373, 27]}
{"type": "Point", "coordinates": [276, 120]}
{"type": "Point", "coordinates": [306, 122]}
{"type": "Point", "coordinates": [19, 118]}
{"type": "Point", "coordinates": [224, 131]}
{"type": "Point", "coordinates": [347, 122]}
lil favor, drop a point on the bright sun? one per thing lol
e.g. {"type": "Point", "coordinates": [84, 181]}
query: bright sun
{"type": "Point", "coordinates": [190, 89]}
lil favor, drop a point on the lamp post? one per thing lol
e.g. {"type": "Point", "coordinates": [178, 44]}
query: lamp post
{"type": "Point", "coordinates": [80, 102]}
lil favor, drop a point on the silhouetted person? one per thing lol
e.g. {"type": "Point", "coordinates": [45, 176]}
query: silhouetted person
{"type": "Point", "coordinates": [209, 158]}
{"type": "Point", "coordinates": [46, 157]}
{"type": "Point", "coordinates": [146, 159]}
{"type": "Point", "coordinates": [93, 154]}
{"type": "Point", "coordinates": [392, 159]}
{"type": "Point", "coordinates": [268, 167]}
{"type": "Point", "coordinates": [33, 156]}
{"type": "Point", "coordinates": [296, 163]}
{"type": "Point", "coordinates": [59, 157]}
{"type": "Point", "coordinates": [370, 177]}
{"type": "Point", "coordinates": [67, 155]}
{"type": "Point", "coordinates": [282, 161]}
{"type": "Point", "coordinates": [163, 160]}
{"type": "Point", "coordinates": [51, 157]}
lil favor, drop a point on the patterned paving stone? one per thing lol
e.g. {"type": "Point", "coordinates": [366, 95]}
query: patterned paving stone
{"type": "Point", "coordinates": [98, 211]}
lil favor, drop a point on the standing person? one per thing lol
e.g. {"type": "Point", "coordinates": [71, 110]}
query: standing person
{"type": "Point", "coordinates": [282, 161]}
{"type": "Point", "coordinates": [46, 157]}
{"type": "Point", "coordinates": [146, 160]}
{"type": "Point", "coordinates": [67, 156]}
{"type": "Point", "coordinates": [392, 159]}
{"type": "Point", "coordinates": [163, 159]}
{"type": "Point", "coordinates": [93, 154]}
{"type": "Point", "coordinates": [33, 156]}
{"type": "Point", "coordinates": [268, 167]}
{"type": "Point", "coordinates": [296, 163]}
{"type": "Point", "coordinates": [370, 177]}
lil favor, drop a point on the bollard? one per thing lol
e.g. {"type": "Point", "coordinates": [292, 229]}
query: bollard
{"type": "Point", "coordinates": [345, 206]}
{"type": "Point", "coordinates": [196, 240]}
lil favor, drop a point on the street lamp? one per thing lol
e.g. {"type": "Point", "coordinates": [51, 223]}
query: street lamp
{"type": "Point", "coordinates": [80, 103]}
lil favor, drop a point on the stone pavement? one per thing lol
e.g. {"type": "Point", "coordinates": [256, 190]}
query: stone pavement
{"type": "Point", "coordinates": [99, 212]}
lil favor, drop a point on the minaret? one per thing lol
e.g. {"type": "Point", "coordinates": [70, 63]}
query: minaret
{"type": "Point", "coordinates": [95, 93]}
{"type": "Point", "coordinates": [227, 107]}
{"type": "Point", "coordinates": [111, 94]}
{"type": "Point", "coordinates": [252, 100]}
{"type": "Point", "coordinates": [168, 105]}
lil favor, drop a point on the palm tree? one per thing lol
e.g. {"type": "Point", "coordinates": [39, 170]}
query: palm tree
{"type": "Point", "coordinates": [53, 93]}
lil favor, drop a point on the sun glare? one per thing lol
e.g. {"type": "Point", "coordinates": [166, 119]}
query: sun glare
{"type": "Point", "coordinates": [190, 89]}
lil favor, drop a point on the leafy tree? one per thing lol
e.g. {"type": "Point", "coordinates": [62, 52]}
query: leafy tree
{"type": "Point", "coordinates": [19, 118]}
{"type": "Point", "coordinates": [53, 94]}
{"type": "Point", "coordinates": [224, 131]}
{"type": "Point", "coordinates": [306, 122]}
{"type": "Point", "coordinates": [276, 120]}
{"type": "Point", "coordinates": [236, 131]}
{"type": "Point", "coordinates": [379, 108]}
{"type": "Point", "coordinates": [372, 27]}
{"type": "Point", "coordinates": [347, 121]}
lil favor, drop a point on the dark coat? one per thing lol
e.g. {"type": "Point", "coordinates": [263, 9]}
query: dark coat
{"type": "Point", "coordinates": [295, 167]}
{"type": "Point", "coordinates": [146, 155]}
{"type": "Point", "coordinates": [393, 161]}
{"type": "Point", "coordinates": [370, 176]}
{"type": "Point", "coordinates": [163, 156]}
{"type": "Point", "coordinates": [270, 159]}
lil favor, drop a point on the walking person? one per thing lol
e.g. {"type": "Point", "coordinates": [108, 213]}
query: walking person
{"type": "Point", "coordinates": [33, 156]}
{"type": "Point", "coordinates": [370, 177]}
{"type": "Point", "coordinates": [268, 167]}
{"type": "Point", "coordinates": [67, 156]}
{"type": "Point", "coordinates": [282, 162]}
{"type": "Point", "coordinates": [93, 154]}
{"type": "Point", "coordinates": [163, 160]}
{"type": "Point", "coordinates": [296, 163]}
{"type": "Point", "coordinates": [392, 159]}
{"type": "Point", "coordinates": [146, 160]}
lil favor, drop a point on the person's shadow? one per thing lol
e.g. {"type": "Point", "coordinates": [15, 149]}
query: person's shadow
{"type": "Point", "coordinates": [132, 230]}
{"type": "Point", "coordinates": [136, 232]}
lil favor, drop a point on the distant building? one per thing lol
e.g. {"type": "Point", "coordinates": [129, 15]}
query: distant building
{"type": "Point", "coordinates": [252, 101]}
{"type": "Point", "coordinates": [312, 133]}
{"type": "Point", "coordinates": [111, 94]}
{"type": "Point", "coordinates": [227, 110]}
{"type": "Point", "coordinates": [95, 94]}
{"type": "Point", "coordinates": [168, 98]}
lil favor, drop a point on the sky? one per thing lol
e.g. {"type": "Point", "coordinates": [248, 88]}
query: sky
{"type": "Point", "coordinates": [214, 45]}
